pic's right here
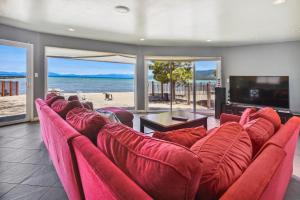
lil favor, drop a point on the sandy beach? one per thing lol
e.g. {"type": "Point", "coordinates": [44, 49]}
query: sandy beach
{"type": "Point", "coordinates": [14, 105]}
{"type": "Point", "coordinates": [120, 99]}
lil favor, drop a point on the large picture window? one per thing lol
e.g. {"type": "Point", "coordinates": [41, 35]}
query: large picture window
{"type": "Point", "coordinates": [105, 80]}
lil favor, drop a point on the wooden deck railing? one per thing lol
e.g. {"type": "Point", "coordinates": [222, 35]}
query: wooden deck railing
{"type": "Point", "coordinates": [204, 92]}
{"type": "Point", "coordinates": [9, 88]}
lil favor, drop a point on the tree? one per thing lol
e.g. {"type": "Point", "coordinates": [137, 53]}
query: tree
{"type": "Point", "coordinates": [160, 74]}
{"type": "Point", "coordinates": [174, 72]}
{"type": "Point", "coordinates": [181, 73]}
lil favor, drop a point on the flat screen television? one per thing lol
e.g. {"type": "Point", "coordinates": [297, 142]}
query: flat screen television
{"type": "Point", "coordinates": [260, 90]}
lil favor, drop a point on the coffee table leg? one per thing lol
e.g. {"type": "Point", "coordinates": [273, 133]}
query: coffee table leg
{"type": "Point", "coordinates": [141, 126]}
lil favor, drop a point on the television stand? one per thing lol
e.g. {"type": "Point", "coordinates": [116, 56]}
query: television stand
{"type": "Point", "coordinates": [237, 109]}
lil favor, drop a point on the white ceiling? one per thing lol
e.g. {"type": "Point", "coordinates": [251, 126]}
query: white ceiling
{"type": "Point", "coordinates": [160, 22]}
{"type": "Point", "coordinates": [56, 52]}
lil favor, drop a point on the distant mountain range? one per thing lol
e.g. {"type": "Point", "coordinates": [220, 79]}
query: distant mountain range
{"type": "Point", "coordinates": [52, 74]}
{"type": "Point", "coordinates": [125, 76]}
{"type": "Point", "coordinates": [12, 74]}
{"type": "Point", "coordinates": [200, 75]}
{"type": "Point", "coordinates": [206, 74]}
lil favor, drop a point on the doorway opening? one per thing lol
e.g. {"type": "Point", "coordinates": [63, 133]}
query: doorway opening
{"type": "Point", "coordinates": [15, 82]}
{"type": "Point", "coordinates": [105, 79]}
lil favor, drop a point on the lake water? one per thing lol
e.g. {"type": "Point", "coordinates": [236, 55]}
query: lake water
{"type": "Point", "coordinates": [90, 85]}
{"type": "Point", "coordinates": [87, 85]}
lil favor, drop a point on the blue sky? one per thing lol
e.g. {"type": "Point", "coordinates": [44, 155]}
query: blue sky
{"type": "Point", "coordinates": [83, 67]}
{"type": "Point", "coordinates": [13, 59]}
{"type": "Point", "coordinates": [206, 65]}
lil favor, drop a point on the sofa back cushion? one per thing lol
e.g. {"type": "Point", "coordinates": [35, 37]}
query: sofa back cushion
{"type": "Point", "coordinates": [62, 107]}
{"type": "Point", "coordinates": [260, 131]}
{"type": "Point", "coordinates": [269, 114]}
{"type": "Point", "coordinates": [283, 135]}
{"type": "Point", "coordinates": [186, 136]}
{"type": "Point", "coordinates": [51, 99]}
{"type": "Point", "coordinates": [245, 117]}
{"type": "Point", "coordinates": [226, 153]}
{"type": "Point", "coordinates": [50, 95]}
{"type": "Point", "coordinates": [73, 98]}
{"type": "Point", "coordinates": [162, 169]}
{"type": "Point", "coordinates": [86, 122]}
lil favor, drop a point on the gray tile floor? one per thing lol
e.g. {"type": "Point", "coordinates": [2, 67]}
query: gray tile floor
{"type": "Point", "coordinates": [25, 169]}
{"type": "Point", "coordinates": [27, 173]}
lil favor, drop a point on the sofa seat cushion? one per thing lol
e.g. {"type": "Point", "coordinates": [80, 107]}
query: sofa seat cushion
{"type": "Point", "coordinates": [51, 99]}
{"type": "Point", "coordinates": [226, 153]}
{"type": "Point", "coordinates": [245, 117]}
{"type": "Point", "coordinates": [268, 114]}
{"type": "Point", "coordinates": [186, 136]}
{"type": "Point", "coordinates": [260, 131]}
{"type": "Point", "coordinates": [162, 169]}
{"type": "Point", "coordinates": [62, 107]}
{"type": "Point", "coordinates": [88, 105]}
{"type": "Point", "coordinates": [86, 122]}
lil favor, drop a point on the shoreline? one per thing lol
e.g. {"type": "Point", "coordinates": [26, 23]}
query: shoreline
{"type": "Point", "coordinates": [14, 105]}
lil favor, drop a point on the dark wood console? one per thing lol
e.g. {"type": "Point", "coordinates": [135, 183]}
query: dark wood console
{"type": "Point", "coordinates": [237, 109]}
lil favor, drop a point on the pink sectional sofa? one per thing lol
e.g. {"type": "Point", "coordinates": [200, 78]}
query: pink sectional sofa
{"type": "Point", "coordinates": [87, 173]}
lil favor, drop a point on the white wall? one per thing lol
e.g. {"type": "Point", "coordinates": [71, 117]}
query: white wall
{"type": "Point", "coordinates": [282, 59]}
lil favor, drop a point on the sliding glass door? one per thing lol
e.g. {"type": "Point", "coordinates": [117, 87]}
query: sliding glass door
{"type": "Point", "coordinates": [15, 82]}
{"type": "Point", "coordinates": [169, 85]}
{"type": "Point", "coordinates": [207, 76]}
{"type": "Point", "coordinates": [181, 82]}
{"type": "Point", "coordinates": [187, 84]}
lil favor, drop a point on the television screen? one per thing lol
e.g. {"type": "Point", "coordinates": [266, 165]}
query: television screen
{"type": "Point", "coordinates": [260, 90]}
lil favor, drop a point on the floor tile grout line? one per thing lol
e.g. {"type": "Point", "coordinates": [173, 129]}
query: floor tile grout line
{"type": "Point", "coordinates": [50, 186]}
{"type": "Point", "coordinates": [9, 189]}
{"type": "Point", "coordinates": [44, 194]}
{"type": "Point", "coordinates": [23, 163]}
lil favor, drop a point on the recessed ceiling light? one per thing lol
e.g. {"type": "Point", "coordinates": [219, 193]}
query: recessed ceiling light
{"type": "Point", "coordinates": [208, 40]}
{"type": "Point", "coordinates": [71, 29]}
{"type": "Point", "coordinates": [278, 2]}
{"type": "Point", "coordinates": [122, 9]}
{"type": "Point", "coordinates": [142, 39]}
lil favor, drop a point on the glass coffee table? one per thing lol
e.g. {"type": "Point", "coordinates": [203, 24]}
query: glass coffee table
{"type": "Point", "coordinates": [165, 122]}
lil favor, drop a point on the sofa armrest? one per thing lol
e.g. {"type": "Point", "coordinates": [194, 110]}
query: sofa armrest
{"type": "Point", "coordinates": [255, 180]}
{"type": "Point", "coordinates": [229, 118]}
{"type": "Point", "coordinates": [101, 179]}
